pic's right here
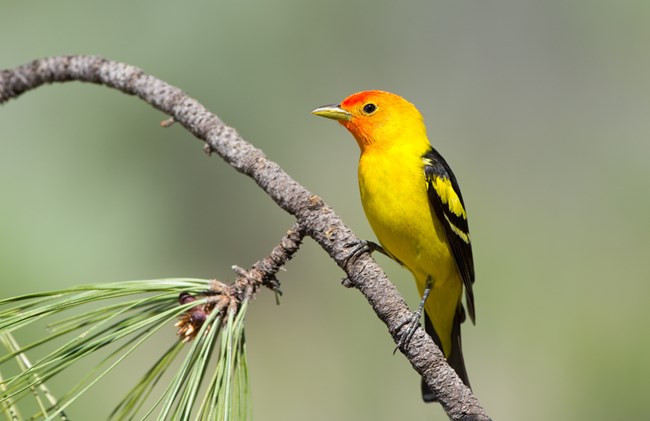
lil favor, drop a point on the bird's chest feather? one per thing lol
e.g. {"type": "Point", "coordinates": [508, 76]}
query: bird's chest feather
{"type": "Point", "coordinates": [394, 196]}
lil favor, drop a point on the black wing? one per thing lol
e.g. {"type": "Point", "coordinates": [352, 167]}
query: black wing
{"type": "Point", "coordinates": [447, 204]}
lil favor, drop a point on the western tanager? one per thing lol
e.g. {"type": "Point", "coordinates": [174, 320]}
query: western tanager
{"type": "Point", "coordinates": [413, 203]}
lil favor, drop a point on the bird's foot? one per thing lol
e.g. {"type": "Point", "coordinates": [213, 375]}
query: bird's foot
{"type": "Point", "coordinates": [360, 247]}
{"type": "Point", "coordinates": [357, 249]}
{"type": "Point", "coordinates": [413, 322]}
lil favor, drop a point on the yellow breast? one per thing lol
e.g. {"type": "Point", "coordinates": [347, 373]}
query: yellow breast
{"type": "Point", "coordinates": [394, 196]}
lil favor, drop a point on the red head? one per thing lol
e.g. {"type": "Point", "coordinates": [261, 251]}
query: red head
{"type": "Point", "coordinates": [377, 119]}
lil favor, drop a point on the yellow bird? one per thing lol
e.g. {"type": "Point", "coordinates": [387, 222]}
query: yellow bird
{"type": "Point", "coordinates": [414, 205]}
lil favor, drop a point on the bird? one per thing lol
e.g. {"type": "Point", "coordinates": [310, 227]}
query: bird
{"type": "Point", "coordinates": [413, 203]}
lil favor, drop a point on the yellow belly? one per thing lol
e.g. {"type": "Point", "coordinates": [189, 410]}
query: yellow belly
{"type": "Point", "coordinates": [394, 196]}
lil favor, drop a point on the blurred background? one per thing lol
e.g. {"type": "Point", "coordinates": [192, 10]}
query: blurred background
{"type": "Point", "coordinates": [541, 108]}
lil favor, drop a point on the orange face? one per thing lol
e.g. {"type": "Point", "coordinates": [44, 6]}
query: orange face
{"type": "Point", "coordinates": [376, 119]}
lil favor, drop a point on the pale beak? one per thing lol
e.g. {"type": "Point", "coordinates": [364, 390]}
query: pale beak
{"type": "Point", "coordinates": [334, 112]}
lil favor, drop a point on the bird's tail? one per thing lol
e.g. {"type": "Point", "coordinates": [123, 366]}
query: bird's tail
{"type": "Point", "coordinates": [455, 358]}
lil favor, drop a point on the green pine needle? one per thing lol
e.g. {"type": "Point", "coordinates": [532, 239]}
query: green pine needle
{"type": "Point", "coordinates": [112, 322]}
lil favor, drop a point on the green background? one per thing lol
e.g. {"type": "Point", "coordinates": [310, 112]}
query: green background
{"type": "Point", "coordinates": [541, 108]}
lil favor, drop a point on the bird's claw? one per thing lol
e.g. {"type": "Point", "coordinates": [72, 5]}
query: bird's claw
{"type": "Point", "coordinates": [413, 323]}
{"type": "Point", "coordinates": [360, 247]}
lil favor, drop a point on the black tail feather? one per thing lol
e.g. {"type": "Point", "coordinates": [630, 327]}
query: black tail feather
{"type": "Point", "coordinates": [455, 358]}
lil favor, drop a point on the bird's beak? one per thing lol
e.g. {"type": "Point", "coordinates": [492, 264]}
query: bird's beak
{"type": "Point", "coordinates": [334, 112]}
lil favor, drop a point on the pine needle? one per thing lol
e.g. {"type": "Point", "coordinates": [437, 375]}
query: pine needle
{"type": "Point", "coordinates": [113, 321]}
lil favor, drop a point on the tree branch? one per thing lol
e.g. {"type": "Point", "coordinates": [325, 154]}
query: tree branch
{"type": "Point", "coordinates": [314, 217]}
{"type": "Point", "coordinates": [229, 297]}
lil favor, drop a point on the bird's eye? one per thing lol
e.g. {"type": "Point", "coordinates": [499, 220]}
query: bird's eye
{"type": "Point", "coordinates": [369, 108]}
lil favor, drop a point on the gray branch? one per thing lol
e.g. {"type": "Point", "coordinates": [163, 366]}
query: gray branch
{"type": "Point", "coordinates": [314, 217]}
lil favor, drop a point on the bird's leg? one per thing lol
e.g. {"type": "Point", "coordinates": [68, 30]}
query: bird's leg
{"type": "Point", "coordinates": [414, 321]}
{"type": "Point", "coordinates": [360, 247]}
